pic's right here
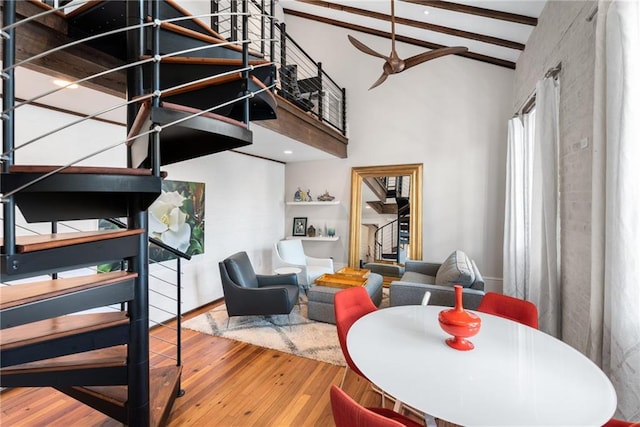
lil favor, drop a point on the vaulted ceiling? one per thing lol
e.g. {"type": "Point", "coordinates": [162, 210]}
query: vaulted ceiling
{"type": "Point", "coordinates": [494, 31]}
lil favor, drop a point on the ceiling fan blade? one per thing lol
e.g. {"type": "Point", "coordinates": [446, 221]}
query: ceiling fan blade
{"type": "Point", "coordinates": [362, 47]}
{"type": "Point", "coordinates": [419, 59]}
{"type": "Point", "coordinates": [378, 82]}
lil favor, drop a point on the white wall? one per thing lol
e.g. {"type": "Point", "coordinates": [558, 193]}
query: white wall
{"type": "Point", "coordinates": [244, 205]}
{"type": "Point", "coordinates": [449, 114]}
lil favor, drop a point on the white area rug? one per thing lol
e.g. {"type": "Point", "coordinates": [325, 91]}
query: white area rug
{"type": "Point", "coordinates": [294, 334]}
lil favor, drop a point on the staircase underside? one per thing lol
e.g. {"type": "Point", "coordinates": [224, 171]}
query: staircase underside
{"type": "Point", "coordinates": [80, 61]}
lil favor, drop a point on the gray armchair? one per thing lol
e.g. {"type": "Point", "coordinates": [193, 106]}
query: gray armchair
{"type": "Point", "coordinates": [438, 278]}
{"type": "Point", "coordinates": [247, 294]}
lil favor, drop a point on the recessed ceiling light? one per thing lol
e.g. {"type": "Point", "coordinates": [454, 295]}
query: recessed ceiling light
{"type": "Point", "coordinates": [288, 152]}
{"type": "Point", "coordinates": [367, 207]}
{"type": "Point", "coordinates": [426, 11]}
{"type": "Point", "coordinates": [65, 84]}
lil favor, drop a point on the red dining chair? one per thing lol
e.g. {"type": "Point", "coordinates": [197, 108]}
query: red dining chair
{"type": "Point", "coordinates": [614, 422]}
{"type": "Point", "coordinates": [349, 413]}
{"type": "Point", "coordinates": [349, 305]}
{"type": "Point", "coordinates": [517, 309]}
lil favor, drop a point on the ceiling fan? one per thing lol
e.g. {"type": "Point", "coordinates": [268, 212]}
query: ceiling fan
{"type": "Point", "coordinates": [393, 63]}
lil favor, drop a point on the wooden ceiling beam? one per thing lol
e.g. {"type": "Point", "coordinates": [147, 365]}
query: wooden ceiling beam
{"type": "Point", "coordinates": [478, 11]}
{"type": "Point", "coordinates": [418, 24]}
{"type": "Point", "coordinates": [408, 40]}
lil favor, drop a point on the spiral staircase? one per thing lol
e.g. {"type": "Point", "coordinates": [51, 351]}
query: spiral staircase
{"type": "Point", "coordinates": [190, 93]}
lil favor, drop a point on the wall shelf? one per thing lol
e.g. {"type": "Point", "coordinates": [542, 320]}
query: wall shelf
{"type": "Point", "coordinates": [319, 239]}
{"type": "Point", "coordinates": [333, 202]}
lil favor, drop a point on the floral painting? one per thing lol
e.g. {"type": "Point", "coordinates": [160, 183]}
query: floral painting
{"type": "Point", "coordinates": [176, 218]}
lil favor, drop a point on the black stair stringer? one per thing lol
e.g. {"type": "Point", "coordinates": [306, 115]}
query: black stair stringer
{"type": "Point", "coordinates": [191, 137]}
{"type": "Point", "coordinates": [71, 196]}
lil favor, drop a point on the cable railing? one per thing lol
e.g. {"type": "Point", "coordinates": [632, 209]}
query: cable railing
{"type": "Point", "coordinates": [302, 80]}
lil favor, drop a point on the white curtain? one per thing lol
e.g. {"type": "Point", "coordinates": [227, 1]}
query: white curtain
{"type": "Point", "coordinates": [517, 231]}
{"type": "Point", "coordinates": [532, 228]}
{"type": "Point", "coordinates": [614, 334]}
{"type": "Point", "coordinates": [544, 265]}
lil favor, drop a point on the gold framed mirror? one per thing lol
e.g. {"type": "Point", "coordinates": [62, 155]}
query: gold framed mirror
{"type": "Point", "coordinates": [358, 175]}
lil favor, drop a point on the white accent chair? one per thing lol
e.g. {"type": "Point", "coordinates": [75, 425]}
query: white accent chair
{"type": "Point", "coordinates": [289, 253]}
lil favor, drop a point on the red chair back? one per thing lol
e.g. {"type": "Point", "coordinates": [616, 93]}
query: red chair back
{"type": "Point", "coordinates": [614, 422]}
{"type": "Point", "coordinates": [350, 305]}
{"type": "Point", "coordinates": [508, 307]}
{"type": "Point", "coordinates": [349, 413]}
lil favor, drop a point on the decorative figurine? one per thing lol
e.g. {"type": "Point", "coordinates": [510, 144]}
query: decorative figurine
{"type": "Point", "coordinates": [326, 197]}
{"type": "Point", "coordinates": [297, 197]}
{"type": "Point", "coordinates": [309, 198]}
{"type": "Point", "coordinates": [311, 231]}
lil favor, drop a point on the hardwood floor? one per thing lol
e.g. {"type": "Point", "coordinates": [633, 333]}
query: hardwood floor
{"type": "Point", "coordinates": [226, 383]}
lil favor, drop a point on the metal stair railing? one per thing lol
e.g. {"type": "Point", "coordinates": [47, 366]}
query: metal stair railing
{"type": "Point", "coordinates": [386, 240]}
{"type": "Point", "coordinates": [324, 98]}
{"type": "Point", "coordinates": [139, 308]}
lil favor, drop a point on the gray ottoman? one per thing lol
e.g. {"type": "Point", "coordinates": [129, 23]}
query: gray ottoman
{"type": "Point", "coordinates": [320, 306]}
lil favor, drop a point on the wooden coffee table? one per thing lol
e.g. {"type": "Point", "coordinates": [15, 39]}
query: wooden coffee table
{"type": "Point", "coordinates": [344, 278]}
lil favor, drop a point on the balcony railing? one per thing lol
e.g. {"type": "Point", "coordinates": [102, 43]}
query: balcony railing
{"type": "Point", "coordinates": [301, 79]}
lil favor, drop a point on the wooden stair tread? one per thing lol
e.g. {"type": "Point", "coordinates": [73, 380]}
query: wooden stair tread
{"type": "Point", "coordinates": [209, 114]}
{"type": "Point", "coordinates": [39, 242]}
{"type": "Point", "coordinates": [103, 358]}
{"type": "Point", "coordinates": [12, 296]}
{"type": "Point", "coordinates": [83, 8]}
{"type": "Point", "coordinates": [163, 386]}
{"type": "Point", "coordinates": [159, 378]}
{"type": "Point", "coordinates": [95, 170]}
{"type": "Point", "coordinates": [145, 110]}
{"type": "Point", "coordinates": [58, 327]}
{"type": "Point", "coordinates": [236, 62]}
{"type": "Point", "coordinates": [198, 21]}
{"type": "Point", "coordinates": [206, 38]}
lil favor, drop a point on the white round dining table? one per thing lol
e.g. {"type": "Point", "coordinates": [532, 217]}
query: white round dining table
{"type": "Point", "coordinates": [515, 375]}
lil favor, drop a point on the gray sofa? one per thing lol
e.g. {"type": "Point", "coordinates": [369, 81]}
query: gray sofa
{"type": "Point", "coordinates": [420, 277]}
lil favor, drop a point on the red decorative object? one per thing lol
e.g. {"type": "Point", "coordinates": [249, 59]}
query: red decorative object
{"type": "Point", "coordinates": [460, 323]}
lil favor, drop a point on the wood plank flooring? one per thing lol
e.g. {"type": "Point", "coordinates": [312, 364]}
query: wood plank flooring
{"type": "Point", "coordinates": [226, 383]}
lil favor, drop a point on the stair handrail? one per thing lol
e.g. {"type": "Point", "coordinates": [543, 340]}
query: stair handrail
{"type": "Point", "coordinates": [179, 255]}
{"type": "Point", "coordinates": [380, 233]}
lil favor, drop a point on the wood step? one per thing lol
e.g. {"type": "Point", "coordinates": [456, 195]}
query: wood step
{"type": "Point", "coordinates": [30, 302]}
{"type": "Point", "coordinates": [191, 137]}
{"type": "Point", "coordinates": [164, 384]}
{"type": "Point", "coordinates": [62, 335]}
{"type": "Point", "coordinates": [26, 244]}
{"type": "Point", "coordinates": [181, 11]}
{"type": "Point", "coordinates": [45, 254]}
{"type": "Point", "coordinates": [12, 296]}
{"type": "Point", "coordinates": [107, 366]}
{"type": "Point", "coordinates": [209, 39]}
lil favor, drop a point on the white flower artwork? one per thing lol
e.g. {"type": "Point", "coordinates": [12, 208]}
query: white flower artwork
{"type": "Point", "coordinates": [168, 223]}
